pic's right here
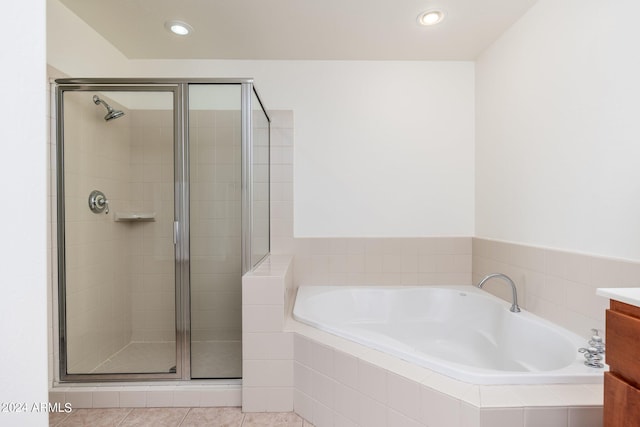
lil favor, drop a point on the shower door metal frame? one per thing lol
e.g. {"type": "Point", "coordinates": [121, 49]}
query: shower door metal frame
{"type": "Point", "coordinates": [181, 260]}
{"type": "Point", "coordinates": [247, 92]}
{"type": "Point", "coordinates": [180, 89]}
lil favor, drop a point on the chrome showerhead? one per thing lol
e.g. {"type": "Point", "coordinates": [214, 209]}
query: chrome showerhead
{"type": "Point", "coordinates": [111, 113]}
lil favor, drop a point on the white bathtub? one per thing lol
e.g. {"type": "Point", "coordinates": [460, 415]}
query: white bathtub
{"type": "Point", "coordinates": [459, 331]}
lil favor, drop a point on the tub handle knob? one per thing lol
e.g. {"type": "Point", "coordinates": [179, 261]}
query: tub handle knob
{"type": "Point", "coordinates": [596, 341]}
{"type": "Point", "coordinates": [593, 357]}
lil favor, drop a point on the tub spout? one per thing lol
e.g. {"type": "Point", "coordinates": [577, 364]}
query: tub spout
{"type": "Point", "coordinates": [514, 306]}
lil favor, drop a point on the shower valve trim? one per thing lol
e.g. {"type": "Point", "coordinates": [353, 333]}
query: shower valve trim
{"type": "Point", "coordinates": [98, 202]}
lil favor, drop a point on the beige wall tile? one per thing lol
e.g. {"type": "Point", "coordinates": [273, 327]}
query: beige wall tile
{"type": "Point", "coordinates": [345, 369]}
{"type": "Point", "coordinates": [262, 318]}
{"type": "Point", "coordinates": [501, 417]}
{"type": "Point", "coordinates": [267, 346]}
{"type": "Point", "coordinates": [303, 404]}
{"type": "Point", "coordinates": [563, 290]}
{"type": "Point", "coordinates": [372, 381]}
{"type": "Point", "coordinates": [322, 359]}
{"type": "Point", "coordinates": [225, 397]}
{"type": "Point", "coordinates": [373, 413]}
{"type": "Point", "coordinates": [186, 398]}
{"type": "Point", "coordinates": [403, 395]}
{"type": "Point", "coordinates": [585, 417]}
{"type": "Point", "coordinates": [437, 409]}
{"type": "Point", "coordinates": [323, 389]}
{"type": "Point", "coordinates": [303, 378]}
{"type": "Point", "coordinates": [469, 415]}
{"type": "Point", "coordinates": [160, 399]}
{"type": "Point", "coordinates": [347, 402]}
{"type": "Point", "coordinates": [267, 373]}
{"type": "Point", "coordinates": [547, 417]}
{"type": "Point", "coordinates": [133, 399]}
{"type": "Point", "coordinates": [106, 399]}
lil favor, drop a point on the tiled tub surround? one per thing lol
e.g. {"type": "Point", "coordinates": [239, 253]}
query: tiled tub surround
{"type": "Point", "coordinates": [556, 285]}
{"type": "Point", "coordinates": [267, 296]}
{"type": "Point", "coordinates": [382, 261]}
{"type": "Point", "coordinates": [335, 382]}
{"type": "Point", "coordinates": [338, 382]}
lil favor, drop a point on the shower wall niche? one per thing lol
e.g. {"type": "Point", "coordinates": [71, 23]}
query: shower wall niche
{"type": "Point", "coordinates": [150, 285]}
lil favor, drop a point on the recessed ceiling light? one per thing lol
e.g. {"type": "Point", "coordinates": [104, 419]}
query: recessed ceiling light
{"type": "Point", "coordinates": [178, 27]}
{"type": "Point", "coordinates": [431, 17]}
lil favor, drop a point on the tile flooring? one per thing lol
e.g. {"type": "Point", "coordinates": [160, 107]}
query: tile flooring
{"type": "Point", "coordinates": [173, 417]}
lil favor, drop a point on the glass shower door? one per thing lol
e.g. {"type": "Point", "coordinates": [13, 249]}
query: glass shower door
{"type": "Point", "coordinates": [117, 227]}
{"type": "Point", "coordinates": [216, 230]}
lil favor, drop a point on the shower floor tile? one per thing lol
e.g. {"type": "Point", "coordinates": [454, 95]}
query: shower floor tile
{"type": "Point", "coordinates": [216, 359]}
{"type": "Point", "coordinates": [209, 359]}
{"type": "Point", "coordinates": [140, 357]}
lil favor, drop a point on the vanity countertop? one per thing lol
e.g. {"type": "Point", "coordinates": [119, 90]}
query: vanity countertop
{"type": "Point", "coordinates": [626, 295]}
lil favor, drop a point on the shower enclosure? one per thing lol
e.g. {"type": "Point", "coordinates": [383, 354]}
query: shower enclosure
{"type": "Point", "coordinates": [162, 205]}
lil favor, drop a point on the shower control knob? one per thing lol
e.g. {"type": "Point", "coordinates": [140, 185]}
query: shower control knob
{"type": "Point", "coordinates": [98, 202]}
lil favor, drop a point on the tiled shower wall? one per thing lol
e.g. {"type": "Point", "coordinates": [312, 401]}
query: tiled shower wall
{"type": "Point", "coordinates": [98, 296]}
{"type": "Point", "coordinates": [215, 225]}
{"type": "Point", "coordinates": [151, 249]}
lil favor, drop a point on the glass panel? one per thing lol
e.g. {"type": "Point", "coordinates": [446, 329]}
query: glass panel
{"type": "Point", "coordinates": [260, 232]}
{"type": "Point", "coordinates": [215, 231]}
{"type": "Point", "coordinates": [119, 252]}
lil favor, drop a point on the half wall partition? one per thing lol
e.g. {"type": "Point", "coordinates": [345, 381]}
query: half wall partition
{"type": "Point", "coordinates": [162, 206]}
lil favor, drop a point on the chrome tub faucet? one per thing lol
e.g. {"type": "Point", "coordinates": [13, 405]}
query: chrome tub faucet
{"type": "Point", "coordinates": [594, 353]}
{"type": "Point", "coordinates": [514, 306]}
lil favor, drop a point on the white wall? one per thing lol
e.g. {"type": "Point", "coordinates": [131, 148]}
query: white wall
{"type": "Point", "coordinates": [557, 151]}
{"type": "Point", "coordinates": [382, 148]}
{"type": "Point", "coordinates": [23, 181]}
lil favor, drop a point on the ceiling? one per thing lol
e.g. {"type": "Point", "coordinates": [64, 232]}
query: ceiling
{"type": "Point", "coordinates": [300, 29]}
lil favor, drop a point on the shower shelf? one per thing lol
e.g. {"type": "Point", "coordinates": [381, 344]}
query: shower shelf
{"type": "Point", "coordinates": [134, 216]}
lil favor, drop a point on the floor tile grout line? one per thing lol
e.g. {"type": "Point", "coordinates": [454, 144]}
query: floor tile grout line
{"type": "Point", "coordinates": [125, 417]}
{"type": "Point", "coordinates": [184, 417]}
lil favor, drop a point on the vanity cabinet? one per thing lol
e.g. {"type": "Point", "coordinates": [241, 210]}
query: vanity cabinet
{"type": "Point", "coordinates": [622, 382]}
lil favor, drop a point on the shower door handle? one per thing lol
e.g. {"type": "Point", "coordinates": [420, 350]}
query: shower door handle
{"type": "Point", "coordinates": [175, 232]}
